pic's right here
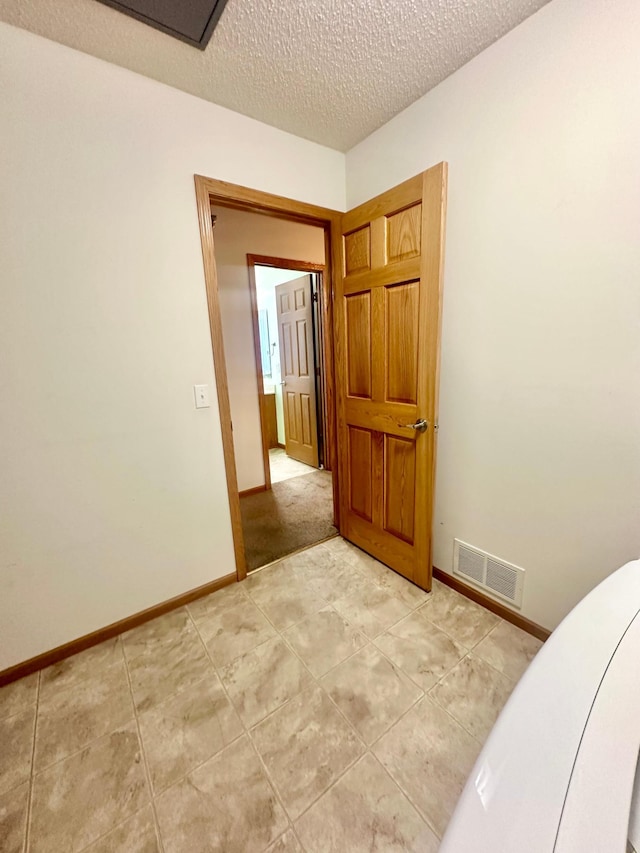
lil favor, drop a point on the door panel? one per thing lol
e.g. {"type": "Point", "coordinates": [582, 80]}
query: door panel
{"type": "Point", "coordinates": [358, 318]}
{"type": "Point", "coordinates": [399, 491]}
{"type": "Point", "coordinates": [283, 301]}
{"type": "Point", "coordinates": [402, 302]}
{"type": "Point", "coordinates": [303, 352]}
{"type": "Point", "coordinates": [286, 348]}
{"type": "Point", "coordinates": [290, 416]}
{"type": "Point", "coordinates": [387, 326]}
{"type": "Point", "coordinates": [295, 331]}
{"type": "Point", "coordinates": [307, 419]}
{"type": "Point", "coordinates": [357, 250]}
{"type": "Point", "coordinates": [404, 234]}
{"type": "Point", "coordinates": [300, 298]}
{"type": "Point", "coordinates": [361, 472]}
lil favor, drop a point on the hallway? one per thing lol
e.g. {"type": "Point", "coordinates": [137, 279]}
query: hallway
{"type": "Point", "coordinates": [293, 514]}
{"type": "Point", "coordinates": [283, 467]}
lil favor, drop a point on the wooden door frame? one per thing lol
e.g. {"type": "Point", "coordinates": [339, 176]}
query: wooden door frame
{"type": "Point", "coordinates": [223, 194]}
{"type": "Point", "coordinates": [254, 261]}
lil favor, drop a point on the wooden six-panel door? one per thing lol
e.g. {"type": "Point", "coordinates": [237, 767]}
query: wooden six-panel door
{"type": "Point", "coordinates": [297, 367]}
{"type": "Point", "coordinates": [387, 326]}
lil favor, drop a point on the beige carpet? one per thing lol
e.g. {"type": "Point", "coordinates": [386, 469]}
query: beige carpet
{"type": "Point", "coordinates": [293, 514]}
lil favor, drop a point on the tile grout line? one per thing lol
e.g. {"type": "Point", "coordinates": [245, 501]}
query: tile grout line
{"type": "Point", "coordinates": [250, 739]}
{"type": "Point", "coordinates": [261, 607]}
{"type": "Point", "coordinates": [315, 683]}
{"type": "Point", "coordinates": [369, 751]}
{"type": "Point", "coordinates": [435, 699]}
{"type": "Point", "coordinates": [131, 658]}
{"type": "Point", "coordinates": [379, 588]}
{"type": "Point", "coordinates": [428, 693]}
{"type": "Point", "coordinates": [169, 697]}
{"type": "Point", "coordinates": [367, 748]}
{"type": "Point", "coordinates": [368, 642]}
{"type": "Point", "coordinates": [471, 650]}
{"type": "Point", "coordinates": [293, 624]}
{"type": "Point", "coordinates": [364, 572]}
{"type": "Point", "coordinates": [424, 606]}
{"type": "Point", "coordinates": [113, 828]}
{"type": "Point", "coordinates": [180, 690]}
{"type": "Point", "coordinates": [419, 810]}
{"type": "Point", "coordinates": [152, 803]}
{"type": "Point", "coordinates": [86, 745]}
{"type": "Point", "coordinates": [317, 678]}
{"type": "Point", "coordinates": [472, 654]}
{"type": "Point", "coordinates": [338, 779]}
{"type": "Point", "coordinates": [446, 673]}
{"type": "Point", "coordinates": [395, 665]}
{"type": "Point", "coordinates": [273, 787]}
{"type": "Point", "coordinates": [395, 722]}
{"type": "Point", "coordinates": [183, 776]}
{"type": "Point", "coordinates": [422, 814]}
{"type": "Point", "coordinates": [377, 741]}
{"type": "Point", "coordinates": [93, 740]}
{"type": "Point", "coordinates": [219, 667]}
{"type": "Point", "coordinates": [466, 648]}
{"type": "Point", "coordinates": [27, 828]}
{"type": "Point", "coordinates": [365, 575]}
{"type": "Point", "coordinates": [468, 654]}
{"type": "Point", "coordinates": [399, 666]}
{"type": "Point", "coordinates": [113, 641]}
{"type": "Point", "coordinates": [405, 713]}
{"type": "Point", "coordinates": [331, 604]}
{"type": "Point", "coordinates": [404, 793]}
{"type": "Point", "coordinates": [78, 750]}
{"type": "Point", "coordinates": [281, 633]}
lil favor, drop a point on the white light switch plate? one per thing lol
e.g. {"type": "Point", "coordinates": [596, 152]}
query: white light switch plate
{"type": "Point", "coordinates": [201, 393]}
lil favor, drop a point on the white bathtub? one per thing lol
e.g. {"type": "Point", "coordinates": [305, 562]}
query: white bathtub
{"type": "Point", "coordinates": [557, 771]}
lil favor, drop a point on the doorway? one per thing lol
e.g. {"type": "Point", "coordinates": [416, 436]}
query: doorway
{"type": "Point", "coordinates": [288, 336]}
{"type": "Point", "coordinates": [272, 317]}
{"type": "Point", "coordinates": [295, 509]}
{"type": "Point", "coordinates": [385, 273]}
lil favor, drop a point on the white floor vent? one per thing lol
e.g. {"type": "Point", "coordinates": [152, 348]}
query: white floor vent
{"type": "Point", "coordinates": [502, 579]}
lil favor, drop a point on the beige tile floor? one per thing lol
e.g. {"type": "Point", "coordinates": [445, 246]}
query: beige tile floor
{"type": "Point", "coordinates": [283, 467]}
{"type": "Point", "coordinates": [324, 704]}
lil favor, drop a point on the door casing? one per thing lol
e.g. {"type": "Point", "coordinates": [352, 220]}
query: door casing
{"type": "Point", "coordinates": [223, 194]}
{"type": "Point", "coordinates": [210, 191]}
{"type": "Point", "coordinates": [286, 264]}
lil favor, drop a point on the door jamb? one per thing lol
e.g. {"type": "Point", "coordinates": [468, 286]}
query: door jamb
{"type": "Point", "coordinates": [282, 263]}
{"type": "Point", "coordinates": [221, 193]}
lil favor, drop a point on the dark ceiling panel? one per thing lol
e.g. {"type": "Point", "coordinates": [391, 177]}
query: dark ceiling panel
{"type": "Point", "coordinates": [192, 21]}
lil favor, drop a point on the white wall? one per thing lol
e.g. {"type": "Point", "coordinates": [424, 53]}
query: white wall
{"type": "Point", "coordinates": [539, 449]}
{"type": "Point", "coordinates": [112, 487]}
{"type": "Point", "coordinates": [238, 234]}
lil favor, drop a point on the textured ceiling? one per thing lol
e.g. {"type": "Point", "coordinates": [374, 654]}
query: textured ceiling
{"type": "Point", "coordinates": [330, 71]}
